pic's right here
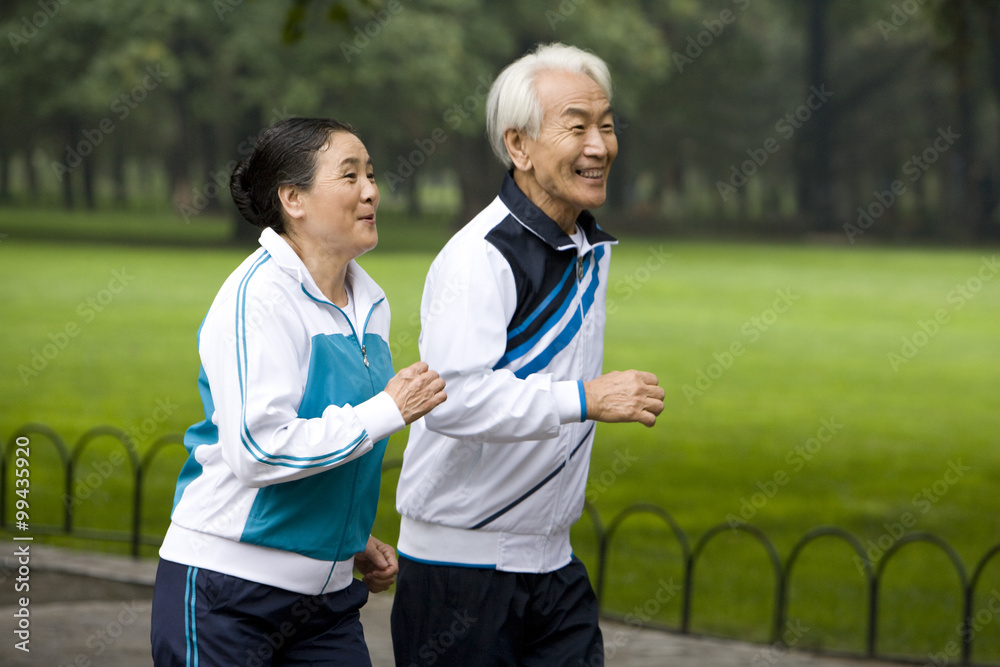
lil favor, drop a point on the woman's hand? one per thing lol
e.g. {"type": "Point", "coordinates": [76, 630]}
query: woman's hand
{"type": "Point", "coordinates": [377, 565]}
{"type": "Point", "coordinates": [417, 390]}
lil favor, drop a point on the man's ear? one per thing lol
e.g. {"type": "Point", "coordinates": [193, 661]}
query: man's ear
{"type": "Point", "coordinates": [291, 201]}
{"type": "Point", "coordinates": [517, 149]}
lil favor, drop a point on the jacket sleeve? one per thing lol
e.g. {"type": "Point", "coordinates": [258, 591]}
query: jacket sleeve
{"type": "Point", "coordinates": [469, 298]}
{"type": "Point", "coordinates": [259, 365]}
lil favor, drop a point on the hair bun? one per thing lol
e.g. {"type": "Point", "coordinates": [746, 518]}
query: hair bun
{"type": "Point", "coordinates": [240, 191]}
{"type": "Point", "coordinates": [285, 154]}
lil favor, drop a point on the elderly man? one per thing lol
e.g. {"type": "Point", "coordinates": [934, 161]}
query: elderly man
{"type": "Point", "coordinates": [513, 319]}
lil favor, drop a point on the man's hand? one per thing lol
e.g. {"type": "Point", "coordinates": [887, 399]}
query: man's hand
{"type": "Point", "coordinates": [417, 390]}
{"type": "Point", "coordinates": [377, 565]}
{"type": "Point", "coordinates": [624, 396]}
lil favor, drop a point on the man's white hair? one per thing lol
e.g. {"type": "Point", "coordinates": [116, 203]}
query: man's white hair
{"type": "Point", "coordinates": [513, 101]}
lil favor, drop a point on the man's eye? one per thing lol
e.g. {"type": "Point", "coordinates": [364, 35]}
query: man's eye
{"type": "Point", "coordinates": [351, 175]}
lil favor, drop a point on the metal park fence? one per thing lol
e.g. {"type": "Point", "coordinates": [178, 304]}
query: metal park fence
{"type": "Point", "coordinates": [968, 623]}
{"type": "Point", "coordinates": [75, 481]}
{"type": "Point", "coordinates": [87, 483]}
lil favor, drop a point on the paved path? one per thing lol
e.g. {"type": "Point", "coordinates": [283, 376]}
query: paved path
{"type": "Point", "coordinates": [90, 610]}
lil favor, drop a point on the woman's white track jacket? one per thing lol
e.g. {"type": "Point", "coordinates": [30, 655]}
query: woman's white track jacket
{"type": "Point", "coordinates": [282, 478]}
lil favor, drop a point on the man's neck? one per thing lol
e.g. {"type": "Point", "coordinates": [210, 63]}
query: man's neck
{"type": "Point", "coordinates": [563, 215]}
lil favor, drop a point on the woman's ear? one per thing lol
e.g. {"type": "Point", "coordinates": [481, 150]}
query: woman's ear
{"type": "Point", "coordinates": [291, 200]}
{"type": "Point", "coordinates": [516, 143]}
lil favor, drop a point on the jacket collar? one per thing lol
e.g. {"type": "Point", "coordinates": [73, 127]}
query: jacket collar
{"type": "Point", "coordinates": [540, 224]}
{"type": "Point", "coordinates": [365, 291]}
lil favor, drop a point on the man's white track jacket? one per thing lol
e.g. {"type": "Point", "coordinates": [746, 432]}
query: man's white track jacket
{"type": "Point", "coordinates": [282, 478]}
{"type": "Point", "coordinates": [513, 320]}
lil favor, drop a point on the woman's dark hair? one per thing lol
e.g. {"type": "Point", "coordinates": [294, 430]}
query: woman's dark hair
{"type": "Point", "coordinates": [285, 154]}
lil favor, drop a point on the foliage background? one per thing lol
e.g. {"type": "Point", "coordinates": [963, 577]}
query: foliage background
{"type": "Point", "coordinates": [149, 103]}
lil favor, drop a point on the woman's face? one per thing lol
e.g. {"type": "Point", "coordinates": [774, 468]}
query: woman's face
{"type": "Point", "coordinates": [339, 209]}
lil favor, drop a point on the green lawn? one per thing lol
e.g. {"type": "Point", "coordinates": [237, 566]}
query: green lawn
{"type": "Point", "coordinates": [805, 386]}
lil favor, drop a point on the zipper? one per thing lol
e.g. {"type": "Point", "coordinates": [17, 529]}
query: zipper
{"type": "Point", "coordinates": [364, 327]}
{"type": "Point", "coordinates": [579, 269]}
{"type": "Point", "coordinates": [359, 335]}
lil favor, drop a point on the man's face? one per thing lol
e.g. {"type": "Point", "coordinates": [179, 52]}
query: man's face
{"type": "Point", "coordinates": [565, 170]}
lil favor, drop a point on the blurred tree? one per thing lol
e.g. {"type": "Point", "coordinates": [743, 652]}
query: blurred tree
{"type": "Point", "coordinates": [775, 115]}
{"type": "Point", "coordinates": [719, 101]}
{"type": "Point", "coordinates": [813, 150]}
{"type": "Point", "coordinates": [85, 74]}
{"type": "Point", "coordinates": [990, 222]}
{"type": "Point", "coordinates": [967, 31]}
{"type": "Point", "coordinates": [435, 62]}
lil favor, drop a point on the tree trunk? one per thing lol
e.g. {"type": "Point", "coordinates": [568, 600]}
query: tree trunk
{"type": "Point", "coordinates": [413, 195]}
{"type": "Point", "coordinates": [31, 173]}
{"type": "Point", "coordinates": [4, 174]}
{"type": "Point", "coordinates": [89, 196]}
{"type": "Point", "coordinates": [210, 166]}
{"type": "Point", "coordinates": [178, 159]}
{"type": "Point", "coordinates": [248, 125]}
{"type": "Point", "coordinates": [621, 184]}
{"type": "Point", "coordinates": [814, 141]}
{"type": "Point", "coordinates": [73, 131]}
{"type": "Point", "coordinates": [989, 229]}
{"type": "Point", "coordinates": [963, 206]}
{"type": "Point", "coordinates": [479, 176]}
{"type": "Point", "coordinates": [118, 174]}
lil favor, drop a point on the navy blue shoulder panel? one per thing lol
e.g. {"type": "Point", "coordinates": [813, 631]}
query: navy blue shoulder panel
{"type": "Point", "coordinates": [544, 277]}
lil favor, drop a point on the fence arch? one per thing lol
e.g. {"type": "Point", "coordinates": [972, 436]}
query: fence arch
{"type": "Point", "coordinates": [700, 545]}
{"type": "Point", "coordinates": [125, 440]}
{"type": "Point", "coordinates": [70, 459]}
{"type": "Point", "coordinates": [781, 611]}
{"type": "Point", "coordinates": [970, 632]}
{"type": "Point", "coordinates": [895, 548]}
{"type": "Point", "coordinates": [605, 537]}
{"type": "Point", "coordinates": [158, 445]}
{"type": "Point", "coordinates": [30, 429]}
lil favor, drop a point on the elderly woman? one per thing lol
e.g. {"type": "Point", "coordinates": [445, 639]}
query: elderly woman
{"type": "Point", "coordinates": [274, 506]}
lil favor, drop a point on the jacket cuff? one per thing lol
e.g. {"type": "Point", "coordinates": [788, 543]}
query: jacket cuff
{"type": "Point", "coordinates": [380, 416]}
{"type": "Point", "coordinates": [570, 401]}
